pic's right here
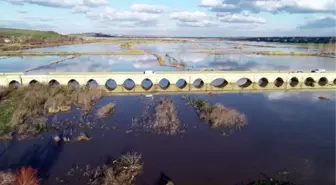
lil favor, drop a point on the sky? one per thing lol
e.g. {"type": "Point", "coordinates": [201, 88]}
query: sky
{"type": "Point", "coordinates": [196, 18]}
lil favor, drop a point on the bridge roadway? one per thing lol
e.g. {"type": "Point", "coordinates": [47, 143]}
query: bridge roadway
{"type": "Point", "coordinates": [184, 81]}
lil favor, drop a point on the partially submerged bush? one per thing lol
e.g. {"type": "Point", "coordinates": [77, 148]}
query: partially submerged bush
{"type": "Point", "coordinates": [106, 110]}
{"type": "Point", "coordinates": [166, 121]}
{"type": "Point", "coordinates": [23, 109]}
{"type": "Point", "coordinates": [122, 171]}
{"type": "Point", "coordinates": [158, 117]}
{"type": "Point", "coordinates": [218, 115]}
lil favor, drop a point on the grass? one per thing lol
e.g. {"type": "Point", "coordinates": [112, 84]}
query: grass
{"type": "Point", "coordinates": [126, 45]}
{"type": "Point", "coordinates": [122, 171]}
{"type": "Point", "coordinates": [8, 32]}
{"type": "Point", "coordinates": [24, 109]}
{"type": "Point", "coordinates": [218, 115]}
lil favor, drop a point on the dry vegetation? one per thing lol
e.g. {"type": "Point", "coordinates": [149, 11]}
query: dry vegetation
{"type": "Point", "coordinates": [122, 171]}
{"type": "Point", "coordinates": [106, 110]}
{"type": "Point", "coordinates": [166, 121]}
{"type": "Point", "coordinates": [25, 176]}
{"type": "Point", "coordinates": [7, 178]}
{"type": "Point", "coordinates": [218, 115]}
{"type": "Point", "coordinates": [159, 118]}
{"type": "Point", "coordinates": [24, 109]}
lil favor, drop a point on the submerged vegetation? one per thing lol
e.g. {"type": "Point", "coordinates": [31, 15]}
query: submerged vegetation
{"type": "Point", "coordinates": [23, 110]}
{"type": "Point", "coordinates": [218, 115]}
{"type": "Point", "coordinates": [106, 110]}
{"type": "Point", "coordinates": [160, 118]}
{"type": "Point", "coordinates": [122, 171]}
{"type": "Point", "coordinates": [166, 121]}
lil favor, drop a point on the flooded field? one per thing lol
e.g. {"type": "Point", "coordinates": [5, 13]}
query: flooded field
{"type": "Point", "coordinates": [283, 136]}
{"type": "Point", "coordinates": [282, 139]}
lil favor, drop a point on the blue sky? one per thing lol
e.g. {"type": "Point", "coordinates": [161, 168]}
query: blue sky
{"type": "Point", "coordinates": [174, 17]}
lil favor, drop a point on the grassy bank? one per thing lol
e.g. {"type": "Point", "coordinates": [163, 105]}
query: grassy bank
{"type": "Point", "coordinates": [18, 39]}
{"type": "Point", "coordinates": [8, 32]}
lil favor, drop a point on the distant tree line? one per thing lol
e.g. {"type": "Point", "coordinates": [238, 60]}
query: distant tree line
{"type": "Point", "coordinates": [319, 40]}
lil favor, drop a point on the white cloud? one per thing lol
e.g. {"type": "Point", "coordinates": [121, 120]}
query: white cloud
{"type": "Point", "coordinates": [60, 3]}
{"type": "Point", "coordinates": [216, 3]}
{"type": "Point", "coordinates": [291, 6]}
{"type": "Point", "coordinates": [125, 18]}
{"type": "Point", "coordinates": [80, 9]}
{"type": "Point", "coordinates": [194, 19]}
{"type": "Point", "coordinates": [190, 16]}
{"type": "Point", "coordinates": [240, 18]}
{"type": "Point", "coordinates": [155, 9]}
{"type": "Point", "coordinates": [204, 23]}
{"type": "Point", "coordinates": [296, 6]}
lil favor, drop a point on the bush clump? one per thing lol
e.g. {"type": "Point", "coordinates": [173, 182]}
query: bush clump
{"type": "Point", "coordinates": [166, 121]}
{"type": "Point", "coordinates": [106, 110]}
{"type": "Point", "coordinates": [122, 171]}
{"type": "Point", "coordinates": [218, 115]}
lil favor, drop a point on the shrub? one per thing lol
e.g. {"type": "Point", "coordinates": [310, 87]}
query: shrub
{"type": "Point", "coordinates": [105, 110]}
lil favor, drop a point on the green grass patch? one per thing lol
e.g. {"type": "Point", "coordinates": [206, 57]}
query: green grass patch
{"type": "Point", "coordinates": [8, 32]}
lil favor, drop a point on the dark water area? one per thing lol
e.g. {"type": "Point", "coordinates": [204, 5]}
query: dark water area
{"type": "Point", "coordinates": [288, 137]}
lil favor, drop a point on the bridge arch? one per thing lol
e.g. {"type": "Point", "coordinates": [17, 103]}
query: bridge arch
{"type": "Point", "coordinates": [310, 82]}
{"type": "Point", "coordinates": [244, 82]}
{"type": "Point", "coordinates": [279, 82]}
{"type": "Point", "coordinates": [164, 83]}
{"type": "Point", "coordinates": [219, 83]}
{"type": "Point", "coordinates": [14, 84]}
{"type": "Point", "coordinates": [53, 82]}
{"type": "Point", "coordinates": [129, 84]}
{"type": "Point", "coordinates": [111, 84]}
{"type": "Point", "coordinates": [263, 82]}
{"type": "Point", "coordinates": [92, 83]}
{"type": "Point", "coordinates": [293, 82]}
{"type": "Point", "coordinates": [73, 83]}
{"type": "Point", "coordinates": [334, 81]}
{"type": "Point", "coordinates": [198, 83]}
{"type": "Point", "coordinates": [33, 82]}
{"type": "Point", "coordinates": [146, 84]}
{"type": "Point", "coordinates": [181, 83]}
{"type": "Point", "coordinates": [323, 81]}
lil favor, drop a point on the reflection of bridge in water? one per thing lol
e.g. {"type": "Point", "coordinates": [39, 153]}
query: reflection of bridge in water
{"type": "Point", "coordinates": [183, 81]}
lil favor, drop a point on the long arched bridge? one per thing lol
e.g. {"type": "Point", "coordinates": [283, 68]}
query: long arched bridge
{"type": "Point", "coordinates": [183, 81]}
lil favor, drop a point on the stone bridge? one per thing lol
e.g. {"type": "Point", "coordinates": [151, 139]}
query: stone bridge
{"type": "Point", "coordinates": [182, 81]}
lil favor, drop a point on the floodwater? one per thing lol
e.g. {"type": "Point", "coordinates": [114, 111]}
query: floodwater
{"type": "Point", "coordinates": [289, 136]}
{"type": "Point", "coordinates": [186, 53]}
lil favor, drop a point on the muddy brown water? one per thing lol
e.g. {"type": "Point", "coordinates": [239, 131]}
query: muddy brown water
{"type": "Point", "coordinates": [289, 136]}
